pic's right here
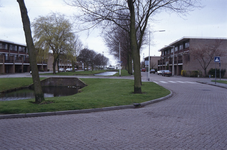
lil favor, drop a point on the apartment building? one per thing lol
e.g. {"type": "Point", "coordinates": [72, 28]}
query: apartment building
{"type": "Point", "coordinates": [178, 55]}
{"type": "Point", "coordinates": [14, 58]}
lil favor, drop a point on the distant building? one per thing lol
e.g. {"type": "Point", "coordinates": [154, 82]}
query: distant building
{"type": "Point", "coordinates": [14, 58]}
{"type": "Point", "coordinates": [153, 61]}
{"type": "Point", "coordinates": [183, 60]}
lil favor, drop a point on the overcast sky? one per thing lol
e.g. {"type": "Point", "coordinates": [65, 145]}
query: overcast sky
{"type": "Point", "coordinates": [209, 21]}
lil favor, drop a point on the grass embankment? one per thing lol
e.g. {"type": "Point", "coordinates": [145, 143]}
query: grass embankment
{"type": "Point", "coordinates": [99, 93]}
{"type": "Point", "coordinates": [11, 83]}
{"type": "Point", "coordinates": [220, 81]}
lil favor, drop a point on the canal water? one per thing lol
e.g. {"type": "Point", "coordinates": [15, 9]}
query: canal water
{"type": "Point", "coordinates": [109, 73]}
{"type": "Point", "coordinates": [29, 93]}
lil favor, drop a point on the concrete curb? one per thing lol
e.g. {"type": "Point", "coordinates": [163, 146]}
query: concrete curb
{"type": "Point", "coordinates": [225, 87]}
{"type": "Point", "coordinates": [42, 114]}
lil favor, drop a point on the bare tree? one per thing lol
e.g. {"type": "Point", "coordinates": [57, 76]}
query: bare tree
{"type": "Point", "coordinates": [205, 53]}
{"type": "Point", "coordinates": [117, 36]}
{"type": "Point", "coordinates": [106, 13]}
{"type": "Point", "coordinates": [39, 96]}
{"type": "Point", "coordinates": [75, 46]}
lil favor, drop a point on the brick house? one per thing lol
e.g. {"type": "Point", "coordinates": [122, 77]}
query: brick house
{"type": "Point", "coordinates": [183, 59]}
{"type": "Point", "coordinates": [14, 58]}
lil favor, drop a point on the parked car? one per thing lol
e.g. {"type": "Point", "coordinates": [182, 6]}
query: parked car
{"type": "Point", "coordinates": [61, 70]}
{"type": "Point", "coordinates": [166, 73]}
{"type": "Point", "coordinates": [159, 72]}
{"type": "Point", "coordinates": [152, 71]}
{"type": "Point", "coordinates": [143, 69]}
{"type": "Point", "coordinates": [69, 69]}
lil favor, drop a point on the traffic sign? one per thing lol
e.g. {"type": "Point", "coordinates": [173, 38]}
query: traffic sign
{"type": "Point", "coordinates": [217, 59]}
{"type": "Point", "coordinates": [120, 62]}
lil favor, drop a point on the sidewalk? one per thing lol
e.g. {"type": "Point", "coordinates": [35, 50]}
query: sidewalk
{"type": "Point", "coordinates": [209, 82]}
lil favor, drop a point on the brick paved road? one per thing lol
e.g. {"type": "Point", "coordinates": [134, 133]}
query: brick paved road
{"type": "Point", "coordinates": [194, 118]}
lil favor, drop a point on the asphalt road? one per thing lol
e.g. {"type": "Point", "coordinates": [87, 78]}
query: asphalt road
{"type": "Point", "coordinates": [193, 118]}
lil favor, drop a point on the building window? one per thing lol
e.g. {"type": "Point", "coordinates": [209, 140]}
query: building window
{"type": "Point", "coordinates": [10, 47]}
{"type": "Point", "coordinates": [7, 58]}
{"type": "Point", "coordinates": [5, 46]}
{"type": "Point", "coordinates": [19, 48]}
{"type": "Point", "coordinates": [1, 46]}
{"type": "Point", "coordinates": [187, 45]}
{"type": "Point", "coordinates": [171, 50]}
{"type": "Point", "coordinates": [176, 49]}
{"type": "Point", "coordinates": [181, 47]}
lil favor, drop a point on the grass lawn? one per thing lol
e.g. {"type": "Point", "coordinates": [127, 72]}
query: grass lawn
{"type": "Point", "coordinates": [220, 81]}
{"type": "Point", "coordinates": [99, 93]}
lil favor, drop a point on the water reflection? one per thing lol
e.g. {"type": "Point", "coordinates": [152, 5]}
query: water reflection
{"type": "Point", "coordinates": [29, 93]}
{"type": "Point", "coordinates": [109, 73]}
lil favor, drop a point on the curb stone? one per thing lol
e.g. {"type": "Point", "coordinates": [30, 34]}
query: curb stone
{"type": "Point", "coordinates": [212, 84]}
{"type": "Point", "coordinates": [42, 114]}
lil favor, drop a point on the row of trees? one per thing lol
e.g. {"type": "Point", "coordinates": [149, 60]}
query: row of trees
{"type": "Point", "coordinates": [132, 16]}
{"type": "Point", "coordinates": [91, 58]}
{"type": "Point", "coordinates": [135, 13]}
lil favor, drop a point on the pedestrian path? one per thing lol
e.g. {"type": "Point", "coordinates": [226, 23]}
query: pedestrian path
{"type": "Point", "coordinates": [174, 82]}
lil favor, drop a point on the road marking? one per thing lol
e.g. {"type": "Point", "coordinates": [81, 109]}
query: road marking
{"type": "Point", "coordinates": [180, 82]}
{"type": "Point", "coordinates": [190, 82]}
{"type": "Point", "coordinates": [172, 81]}
{"type": "Point", "coordinates": [163, 81]}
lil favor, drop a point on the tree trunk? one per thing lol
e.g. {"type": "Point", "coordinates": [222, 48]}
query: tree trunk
{"type": "Point", "coordinates": [129, 64]}
{"type": "Point", "coordinates": [39, 96]}
{"type": "Point", "coordinates": [54, 64]}
{"type": "Point", "coordinates": [135, 51]}
{"type": "Point", "coordinates": [205, 71]}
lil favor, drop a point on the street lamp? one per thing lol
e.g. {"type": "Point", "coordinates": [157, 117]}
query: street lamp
{"type": "Point", "coordinates": [149, 59]}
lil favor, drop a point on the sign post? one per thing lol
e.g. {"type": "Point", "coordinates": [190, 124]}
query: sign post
{"type": "Point", "coordinates": [216, 60]}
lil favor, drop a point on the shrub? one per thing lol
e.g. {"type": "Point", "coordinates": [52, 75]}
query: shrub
{"type": "Point", "coordinates": [194, 73]}
{"type": "Point", "coordinates": [183, 73]}
{"type": "Point", "coordinates": [212, 72]}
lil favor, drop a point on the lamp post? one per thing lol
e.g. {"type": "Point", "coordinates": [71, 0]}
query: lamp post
{"type": "Point", "coordinates": [149, 59]}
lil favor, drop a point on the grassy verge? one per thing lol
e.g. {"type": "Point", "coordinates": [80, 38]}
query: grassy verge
{"type": "Point", "coordinates": [99, 93]}
{"type": "Point", "coordinates": [220, 81]}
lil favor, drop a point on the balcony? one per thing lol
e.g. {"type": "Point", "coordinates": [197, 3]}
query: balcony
{"type": "Point", "coordinates": [42, 62]}
{"type": "Point", "coordinates": [9, 61]}
{"type": "Point", "coordinates": [180, 61]}
{"type": "Point", "coordinates": [26, 60]}
{"type": "Point", "coordinates": [18, 60]}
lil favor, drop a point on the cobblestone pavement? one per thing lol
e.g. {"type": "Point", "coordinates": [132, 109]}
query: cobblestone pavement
{"type": "Point", "coordinates": [193, 118]}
